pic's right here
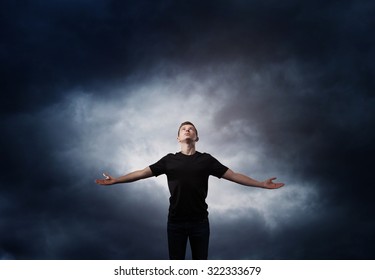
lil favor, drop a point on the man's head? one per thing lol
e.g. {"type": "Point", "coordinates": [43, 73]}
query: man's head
{"type": "Point", "coordinates": [187, 129]}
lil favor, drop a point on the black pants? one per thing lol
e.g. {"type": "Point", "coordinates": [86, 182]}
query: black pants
{"type": "Point", "coordinates": [198, 234]}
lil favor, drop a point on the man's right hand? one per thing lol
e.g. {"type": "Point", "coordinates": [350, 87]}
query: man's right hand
{"type": "Point", "coordinates": [109, 180]}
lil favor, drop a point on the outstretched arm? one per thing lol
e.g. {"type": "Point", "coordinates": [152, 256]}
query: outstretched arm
{"type": "Point", "coordinates": [131, 177]}
{"type": "Point", "coordinates": [247, 181]}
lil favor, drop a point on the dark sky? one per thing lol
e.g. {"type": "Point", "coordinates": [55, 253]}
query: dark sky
{"type": "Point", "coordinates": [275, 88]}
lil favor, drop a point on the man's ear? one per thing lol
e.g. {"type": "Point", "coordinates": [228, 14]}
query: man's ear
{"type": "Point", "coordinates": [197, 139]}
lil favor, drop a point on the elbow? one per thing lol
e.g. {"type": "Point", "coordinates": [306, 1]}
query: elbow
{"type": "Point", "coordinates": [146, 173]}
{"type": "Point", "coordinates": [230, 175]}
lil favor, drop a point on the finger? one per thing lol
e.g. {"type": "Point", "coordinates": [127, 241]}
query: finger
{"type": "Point", "coordinates": [102, 182]}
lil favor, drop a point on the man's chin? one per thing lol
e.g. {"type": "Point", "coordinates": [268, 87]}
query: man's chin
{"type": "Point", "coordinates": [189, 140]}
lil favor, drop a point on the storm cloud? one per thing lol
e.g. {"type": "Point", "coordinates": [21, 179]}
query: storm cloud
{"type": "Point", "coordinates": [276, 89]}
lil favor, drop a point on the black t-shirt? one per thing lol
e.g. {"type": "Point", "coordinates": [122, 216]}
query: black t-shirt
{"type": "Point", "coordinates": [188, 183]}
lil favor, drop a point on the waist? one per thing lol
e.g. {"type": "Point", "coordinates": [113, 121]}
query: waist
{"type": "Point", "coordinates": [176, 220]}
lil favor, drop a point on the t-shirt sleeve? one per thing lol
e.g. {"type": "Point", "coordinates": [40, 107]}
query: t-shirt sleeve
{"type": "Point", "coordinates": [159, 167]}
{"type": "Point", "coordinates": [216, 168]}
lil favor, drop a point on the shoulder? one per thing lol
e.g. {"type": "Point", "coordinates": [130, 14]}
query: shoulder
{"type": "Point", "coordinates": [168, 156]}
{"type": "Point", "coordinates": [211, 158]}
{"type": "Point", "coordinates": [171, 156]}
{"type": "Point", "coordinates": [206, 155]}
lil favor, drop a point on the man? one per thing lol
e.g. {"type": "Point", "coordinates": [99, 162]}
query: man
{"type": "Point", "coordinates": [187, 174]}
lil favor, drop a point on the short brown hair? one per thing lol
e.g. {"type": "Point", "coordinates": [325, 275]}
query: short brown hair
{"type": "Point", "coordinates": [187, 123]}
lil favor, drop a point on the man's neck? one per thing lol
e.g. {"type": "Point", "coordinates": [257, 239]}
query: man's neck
{"type": "Point", "coordinates": [188, 148]}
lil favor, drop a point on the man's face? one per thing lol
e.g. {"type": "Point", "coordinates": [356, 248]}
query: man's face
{"type": "Point", "coordinates": [187, 133]}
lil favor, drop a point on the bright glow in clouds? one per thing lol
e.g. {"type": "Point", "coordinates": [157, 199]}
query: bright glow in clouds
{"type": "Point", "coordinates": [140, 126]}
